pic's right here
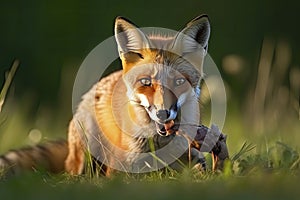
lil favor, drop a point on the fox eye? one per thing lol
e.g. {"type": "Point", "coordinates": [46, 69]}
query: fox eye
{"type": "Point", "coordinates": [179, 81]}
{"type": "Point", "coordinates": [145, 81]}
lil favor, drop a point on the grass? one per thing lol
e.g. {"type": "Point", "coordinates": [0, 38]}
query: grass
{"type": "Point", "coordinates": [263, 141]}
{"type": "Point", "coordinates": [7, 83]}
{"type": "Point", "coordinates": [262, 185]}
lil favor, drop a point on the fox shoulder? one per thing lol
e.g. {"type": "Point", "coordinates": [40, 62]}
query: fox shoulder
{"type": "Point", "coordinates": [84, 128]}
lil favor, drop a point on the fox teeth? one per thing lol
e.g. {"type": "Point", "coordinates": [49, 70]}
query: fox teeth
{"type": "Point", "coordinates": [165, 129]}
{"type": "Point", "coordinates": [160, 129]}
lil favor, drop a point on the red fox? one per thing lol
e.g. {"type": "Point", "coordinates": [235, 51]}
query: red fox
{"type": "Point", "coordinates": [128, 120]}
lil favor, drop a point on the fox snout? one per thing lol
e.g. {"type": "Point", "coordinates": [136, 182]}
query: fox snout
{"type": "Point", "coordinates": [163, 115]}
{"type": "Point", "coordinates": [163, 118]}
{"type": "Point", "coordinates": [166, 123]}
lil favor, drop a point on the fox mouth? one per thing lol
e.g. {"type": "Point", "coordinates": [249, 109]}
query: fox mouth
{"type": "Point", "coordinates": [166, 129]}
{"type": "Point", "coordinates": [164, 120]}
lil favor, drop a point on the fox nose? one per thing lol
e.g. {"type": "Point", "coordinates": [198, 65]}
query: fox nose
{"type": "Point", "coordinates": [163, 114]}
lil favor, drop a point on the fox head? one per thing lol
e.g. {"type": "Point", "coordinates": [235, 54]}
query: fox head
{"type": "Point", "coordinates": [162, 73]}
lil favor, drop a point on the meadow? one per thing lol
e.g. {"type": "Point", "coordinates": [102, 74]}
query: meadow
{"type": "Point", "coordinates": [255, 45]}
{"type": "Point", "coordinates": [262, 140]}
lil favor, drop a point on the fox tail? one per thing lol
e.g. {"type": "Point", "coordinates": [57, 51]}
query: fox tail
{"type": "Point", "coordinates": [49, 156]}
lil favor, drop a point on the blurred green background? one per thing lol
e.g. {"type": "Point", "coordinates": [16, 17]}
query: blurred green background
{"type": "Point", "coordinates": [255, 44]}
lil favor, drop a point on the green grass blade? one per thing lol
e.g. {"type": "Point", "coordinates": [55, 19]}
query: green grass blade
{"type": "Point", "coordinates": [7, 82]}
{"type": "Point", "coordinates": [244, 149]}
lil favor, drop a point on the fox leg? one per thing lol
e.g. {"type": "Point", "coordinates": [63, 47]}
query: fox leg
{"type": "Point", "coordinates": [74, 163]}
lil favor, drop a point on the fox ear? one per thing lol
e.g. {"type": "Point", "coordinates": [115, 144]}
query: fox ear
{"type": "Point", "coordinates": [195, 34]}
{"type": "Point", "coordinates": [129, 37]}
